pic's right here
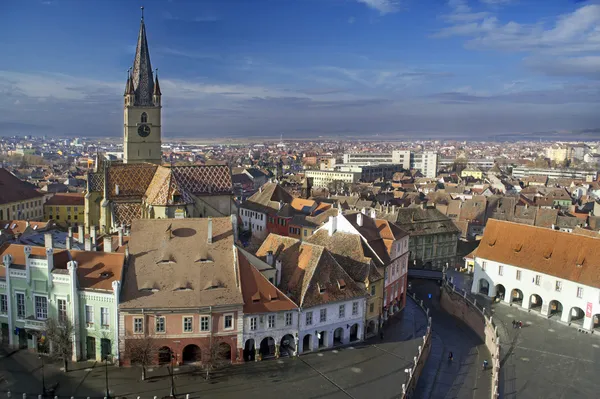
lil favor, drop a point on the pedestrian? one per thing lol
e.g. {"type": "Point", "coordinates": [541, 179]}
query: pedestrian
{"type": "Point", "coordinates": [514, 324]}
{"type": "Point", "coordinates": [520, 324]}
{"type": "Point", "coordinates": [485, 364]}
{"type": "Point", "coordinates": [381, 334]}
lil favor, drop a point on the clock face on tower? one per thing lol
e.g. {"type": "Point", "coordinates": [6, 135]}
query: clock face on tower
{"type": "Point", "coordinates": [144, 130]}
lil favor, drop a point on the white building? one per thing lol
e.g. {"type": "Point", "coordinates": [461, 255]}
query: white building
{"type": "Point", "coordinates": [322, 178]}
{"type": "Point", "coordinates": [426, 162]}
{"type": "Point", "coordinates": [396, 157]}
{"type": "Point", "coordinates": [552, 173]}
{"type": "Point", "coordinates": [542, 270]}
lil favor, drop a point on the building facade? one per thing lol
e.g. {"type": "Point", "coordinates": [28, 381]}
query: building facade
{"type": "Point", "coordinates": [546, 271]}
{"type": "Point", "coordinates": [65, 209]}
{"type": "Point", "coordinates": [19, 200]}
{"type": "Point", "coordinates": [322, 178]}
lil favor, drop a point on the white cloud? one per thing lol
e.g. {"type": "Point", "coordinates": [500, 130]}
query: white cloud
{"type": "Point", "coordinates": [383, 6]}
{"type": "Point", "coordinates": [351, 20]}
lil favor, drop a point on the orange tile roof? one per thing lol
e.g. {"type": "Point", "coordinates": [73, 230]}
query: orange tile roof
{"type": "Point", "coordinates": [19, 226]}
{"type": "Point", "coordinates": [568, 256]}
{"type": "Point", "coordinates": [260, 296]}
{"type": "Point", "coordinates": [69, 199]}
{"type": "Point", "coordinates": [97, 270]}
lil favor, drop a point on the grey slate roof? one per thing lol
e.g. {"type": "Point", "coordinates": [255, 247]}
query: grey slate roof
{"type": "Point", "coordinates": [141, 75]}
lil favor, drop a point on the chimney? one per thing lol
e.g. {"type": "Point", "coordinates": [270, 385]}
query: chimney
{"type": "Point", "coordinates": [209, 232]}
{"type": "Point", "coordinates": [107, 244]}
{"type": "Point", "coordinates": [359, 219]}
{"type": "Point", "coordinates": [270, 257]}
{"type": "Point", "coordinates": [373, 214]}
{"type": "Point", "coordinates": [48, 240]}
{"type": "Point", "coordinates": [332, 225]}
{"type": "Point", "coordinates": [87, 245]}
{"type": "Point", "coordinates": [393, 208]}
{"type": "Point", "coordinates": [234, 226]}
{"type": "Point", "coordinates": [280, 205]}
{"type": "Point", "coordinates": [93, 237]}
{"type": "Point", "coordinates": [116, 189]}
{"type": "Point", "coordinates": [277, 272]}
{"type": "Point", "coordinates": [120, 231]}
{"type": "Point", "coordinates": [80, 234]}
{"type": "Point", "coordinates": [363, 211]}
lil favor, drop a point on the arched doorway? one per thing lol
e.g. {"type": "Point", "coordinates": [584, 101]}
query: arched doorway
{"type": "Point", "coordinates": [165, 355]}
{"type": "Point", "coordinates": [371, 328]}
{"type": "Point", "coordinates": [484, 286]}
{"type": "Point", "coordinates": [596, 322]}
{"type": "Point", "coordinates": [516, 297]}
{"type": "Point", "coordinates": [224, 352]}
{"type": "Point", "coordinates": [354, 333]}
{"type": "Point", "coordinates": [307, 343]}
{"type": "Point", "coordinates": [191, 354]}
{"type": "Point", "coordinates": [267, 347]}
{"type": "Point", "coordinates": [249, 351]}
{"type": "Point", "coordinates": [535, 303]}
{"type": "Point", "coordinates": [287, 347]}
{"type": "Point", "coordinates": [576, 316]}
{"type": "Point", "coordinates": [338, 336]}
{"type": "Point", "coordinates": [322, 335]}
{"type": "Point", "coordinates": [500, 292]}
{"type": "Point", "coordinates": [555, 309]}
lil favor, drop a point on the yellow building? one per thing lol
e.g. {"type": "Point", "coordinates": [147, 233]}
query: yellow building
{"type": "Point", "coordinates": [18, 199]}
{"type": "Point", "coordinates": [65, 209]}
{"type": "Point", "coordinates": [473, 172]}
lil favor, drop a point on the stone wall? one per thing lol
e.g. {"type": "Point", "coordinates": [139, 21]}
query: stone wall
{"type": "Point", "coordinates": [420, 358]}
{"type": "Point", "coordinates": [461, 306]}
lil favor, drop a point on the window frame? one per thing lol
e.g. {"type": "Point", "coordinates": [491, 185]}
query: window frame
{"type": "Point", "coordinates": [135, 319]}
{"type": "Point", "coordinates": [579, 292]}
{"type": "Point", "coordinates": [163, 319]}
{"type": "Point", "coordinates": [24, 314]}
{"type": "Point", "coordinates": [183, 324]}
{"type": "Point", "coordinates": [225, 316]}
{"type": "Point", "coordinates": [308, 318]}
{"type": "Point", "coordinates": [271, 321]}
{"type": "Point", "coordinates": [323, 315]}
{"type": "Point", "coordinates": [3, 304]}
{"type": "Point", "coordinates": [253, 323]}
{"type": "Point", "coordinates": [89, 324]}
{"type": "Point", "coordinates": [35, 306]}
{"type": "Point", "coordinates": [355, 308]}
{"type": "Point", "coordinates": [291, 319]}
{"type": "Point", "coordinates": [342, 311]}
{"type": "Point", "coordinates": [208, 323]}
{"type": "Point", "coordinates": [102, 324]}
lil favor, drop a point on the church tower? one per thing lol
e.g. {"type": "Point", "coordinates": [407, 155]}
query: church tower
{"type": "Point", "coordinates": [142, 109]}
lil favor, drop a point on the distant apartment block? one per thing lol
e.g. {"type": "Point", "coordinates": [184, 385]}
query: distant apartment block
{"type": "Point", "coordinates": [484, 163]}
{"type": "Point", "coordinates": [370, 173]}
{"type": "Point", "coordinates": [322, 178]}
{"type": "Point", "coordinates": [426, 162]}
{"type": "Point", "coordinates": [552, 173]}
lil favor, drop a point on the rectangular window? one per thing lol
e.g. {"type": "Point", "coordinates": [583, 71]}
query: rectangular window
{"type": "Point", "coordinates": [62, 310]}
{"type": "Point", "coordinates": [271, 321]}
{"type": "Point", "coordinates": [519, 275]}
{"type": "Point", "coordinates": [188, 324]}
{"type": "Point", "coordinates": [371, 307]}
{"type": "Point", "coordinates": [253, 324]}
{"type": "Point", "coordinates": [558, 286]}
{"type": "Point", "coordinates": [538, 279]}
{"type": "Point", "coordinates": [323, 316]}
{"type": "Point", "coordinates": [104, 318]}
{"type": "Point", "coordinates": [41, 307]}
{"type": "Point", "coordinates": [138, 325]}
{"type": "Point", "coordinates": [354, 308]}
{"type": "Point", "coordinates": [288, 319]}
{"type": "Point", "coordinates": [89, 315]}
{"type": "Point", "coordinates": [228, 322]}
{"type": "Point", "coordinates": [204, 323]}
{"type": "Point", "coordinates": [373, 290]}
{"type": "Point", "coordinates": [342, 311]}
{"type": "Point", "coordinates": [309, 318]}
{"type": "Point", "coordinates": [3, 304]}
{"type": "Point", "coordinates": [579, 292]}
{"type": "Point", "coordinates": [483, 265]}
{"type": "Point", "coordinates": [20, 305]}
{"type": "Point", "coordinates": [160, 324]}
{"type": "Point", "coordinates": [500, 270]}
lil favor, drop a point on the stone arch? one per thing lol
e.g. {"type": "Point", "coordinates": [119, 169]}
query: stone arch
{"type": "Point", "coordinates": [535, 302]}
{"type": "Point", "coordinates": [576, 316]}
{"type": "Point", "coordinates": [250, 350]}
{"type": "Point", "coordinates": [484, 286]}
{"type": "Point", "coordinates": [267, 347]}
{"type": "Point", "coordinates": [516, 297]}
{"type": "Point", "coordinates": [191, 354]}
{"type": "Point", "coordinates": [224, 351]}
{"type": "Point", "coordinates": [555, 309]}
{"type": "Point", "coordinates": [287, 346]}
{"type": "Point", "coordinates": [500, 291]}
{"type": "Point", "coordinates": [338, 336]}
{"type": "Point", "coordinates": [165, 355]}
{"type": "Point", "coordinates": [354, 332]}
{"type": "Point", "coordinates": [307, 344]}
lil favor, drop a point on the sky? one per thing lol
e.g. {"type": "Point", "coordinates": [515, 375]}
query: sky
{"type": "Point", "coordinates": [305, 68]}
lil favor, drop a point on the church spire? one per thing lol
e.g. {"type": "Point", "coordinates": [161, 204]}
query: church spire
{"type": "Point", "coordinates": [143, 83]}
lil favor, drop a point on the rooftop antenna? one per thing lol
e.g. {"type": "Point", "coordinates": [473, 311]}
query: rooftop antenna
{"type": "Point", "coordinates": [142, 8]}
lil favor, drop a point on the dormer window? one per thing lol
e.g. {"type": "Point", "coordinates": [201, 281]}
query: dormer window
{"type": "Point", "coordinates": [144, 118]}
{"type": "Point", "coordinates": [341, 284]}
{"type": "Point", "coordinates": [321, 288]}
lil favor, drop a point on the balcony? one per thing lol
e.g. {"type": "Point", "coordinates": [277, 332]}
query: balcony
{"type": "Point", "coordinates": [33, 324]}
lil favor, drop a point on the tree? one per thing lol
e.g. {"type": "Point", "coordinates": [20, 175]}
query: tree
{"type": "Point", "coordinates": [142, 351]}
{"type": "Point", "coordinates": [219, 357]}
{"type": "Point", "coordinates": [59, 335]}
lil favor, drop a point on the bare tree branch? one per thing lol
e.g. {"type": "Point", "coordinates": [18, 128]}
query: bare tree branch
{"type": "Point", "coordinates": [60, 339]}
{"type": "Point", "coordinates": [142, 351]}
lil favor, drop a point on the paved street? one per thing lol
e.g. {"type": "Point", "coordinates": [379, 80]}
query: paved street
{"type": "Point", "coordinates": [544, 359]}
{"type": "Point", "coordinates": [463, 378]}
{"type": "Point", "coordinates": [374, 368]}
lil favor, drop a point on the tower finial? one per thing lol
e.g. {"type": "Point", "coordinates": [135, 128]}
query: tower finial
{"type": "Point", "coordinates": [142, 8]}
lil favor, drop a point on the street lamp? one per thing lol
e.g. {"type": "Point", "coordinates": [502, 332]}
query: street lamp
{"type": "Point", "coordinates": [106, 359]}
{"type": "Point", "coordinates": [43, 379]}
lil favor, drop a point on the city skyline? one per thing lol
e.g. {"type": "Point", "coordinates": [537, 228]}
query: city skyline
{"type": "Point", "coordinates": [443, 69]}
